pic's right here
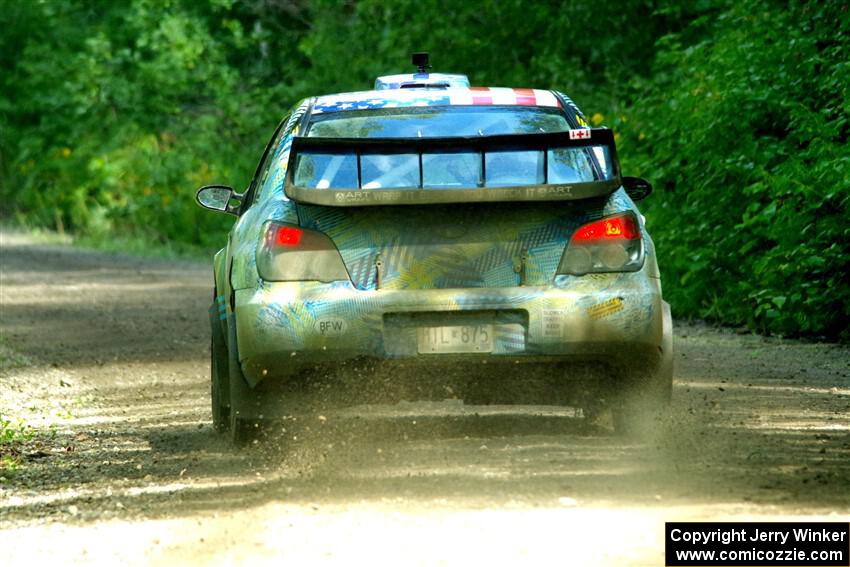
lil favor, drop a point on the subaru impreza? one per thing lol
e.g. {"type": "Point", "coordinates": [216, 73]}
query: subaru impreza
{"type": "Point", "coordinates": [483, 237]}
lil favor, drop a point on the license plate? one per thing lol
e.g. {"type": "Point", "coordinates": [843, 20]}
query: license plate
{"type": "Point", "coordinates": [463, 338]}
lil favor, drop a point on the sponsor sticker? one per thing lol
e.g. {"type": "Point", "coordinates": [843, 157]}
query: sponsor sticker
{"type": "Point", "coordinates": [331, 327]}
{"type": "Point", "coordinates": [606, 308]}
{"type": "Point", "coordinates": [553, 323]}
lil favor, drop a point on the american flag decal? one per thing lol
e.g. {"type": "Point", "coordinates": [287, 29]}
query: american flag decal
{"type": "Point", "coordinates": [472, 96]}
{"type": "Point", "coordinates": [580, 134]}
{"type": "Point", "coordinates": [504, 96]}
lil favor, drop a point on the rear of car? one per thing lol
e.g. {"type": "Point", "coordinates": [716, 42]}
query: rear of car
{"type": "Point", "coordinates": [483, 232]}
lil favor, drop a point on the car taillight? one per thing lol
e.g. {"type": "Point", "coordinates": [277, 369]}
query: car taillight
{"type": "Point", "coordinates": [287, 235]}
{"type": "Point", "coordinates": [289, 253]}
{"type": "Point", "coordinates": [612, 244]}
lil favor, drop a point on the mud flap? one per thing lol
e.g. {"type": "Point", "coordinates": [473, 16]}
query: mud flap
{"type": "Point", "coordinates": [245, 403]}
{"type": "Point", "coordinates": [665, 366]}
{"type": "Point", "coordinates": [645, 399]}
{"type": "Point", "coordinates": [219, 374]}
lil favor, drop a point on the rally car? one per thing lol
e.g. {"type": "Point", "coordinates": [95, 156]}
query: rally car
{"type": "Point", "coordinates": [483, 237]}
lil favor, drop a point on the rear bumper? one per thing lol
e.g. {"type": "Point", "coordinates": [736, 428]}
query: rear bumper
{"type": "Point", "coordinates": [283, 328]}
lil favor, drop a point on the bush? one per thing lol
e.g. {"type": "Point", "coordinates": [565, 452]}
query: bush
{"type": "Point", "coordinates": [745, 132]}
{"type": "Point", "coordinates": [111, 114]}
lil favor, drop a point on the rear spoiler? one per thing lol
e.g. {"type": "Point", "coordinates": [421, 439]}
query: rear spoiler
{"type": "Point", "coordinates": [346, 163]}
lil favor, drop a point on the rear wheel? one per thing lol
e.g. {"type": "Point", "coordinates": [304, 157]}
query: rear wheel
{"type": "Point", "coordinates": [244, 422]}
{"type": "Point", "coordinates": [645, 398]}
{"type": "Point", "coordinates": [640, 410]}
{"type": "Point", "coordinates": [219, 376]}
{"type": "Point", "coordinates": [220, 385]}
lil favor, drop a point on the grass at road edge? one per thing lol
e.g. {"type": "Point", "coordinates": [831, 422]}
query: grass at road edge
{"type": "Point", "coordinates": [121, 244]}
{"type": "Point", "coordinates": [18, 438]}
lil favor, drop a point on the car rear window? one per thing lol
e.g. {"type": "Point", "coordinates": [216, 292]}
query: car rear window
{"type": "Point", "coordinates": [438, 122]}
{"type": "Point", "coordinates": [455, 169]}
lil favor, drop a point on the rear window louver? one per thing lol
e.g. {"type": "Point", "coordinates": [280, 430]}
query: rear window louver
{"type": "Point", "coordinates": [575, 164]}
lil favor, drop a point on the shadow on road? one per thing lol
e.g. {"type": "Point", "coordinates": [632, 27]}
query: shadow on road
{"type": "Point", "coordinates": [528, 456]}
{"type": "Point", "coordinates": [120, 349]}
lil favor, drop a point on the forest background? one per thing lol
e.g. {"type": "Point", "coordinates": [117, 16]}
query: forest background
{"type": "Point", "coordinates": [112, 113]}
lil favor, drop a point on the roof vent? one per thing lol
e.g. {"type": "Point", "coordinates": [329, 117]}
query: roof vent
{"type": "Point", "coordinates": [422, 79]}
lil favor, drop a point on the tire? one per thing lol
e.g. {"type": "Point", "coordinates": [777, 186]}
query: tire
{"type": "Point", "coordinates": [245, 423]}
{"type": "Point", "coordinates": [645, 399]}
{"type": "Point", "coordinates": [219, 376]}
{"type": "Point", "coordinates": [638, 413]}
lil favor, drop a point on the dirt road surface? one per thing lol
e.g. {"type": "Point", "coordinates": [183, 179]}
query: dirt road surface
{"type": "Point", "coordinates": [107, 356]}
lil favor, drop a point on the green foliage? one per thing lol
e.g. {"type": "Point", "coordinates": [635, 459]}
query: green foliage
{"type": "Point", "coordinates": [14, 432]}
{"type": "Point", "coordinates": [745, 131]}
{"type": "Point", "coordinates": [17, 439]}
{"type": "Point", "coordinates": [568, 46]}
{"type": "Point", "coordinates": [14, 435]}
{"type": "Point", "coordinates": [112, 113]}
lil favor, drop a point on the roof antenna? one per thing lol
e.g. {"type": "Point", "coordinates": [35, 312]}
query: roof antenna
{"type": "Point", "coordinates": [421, 60]}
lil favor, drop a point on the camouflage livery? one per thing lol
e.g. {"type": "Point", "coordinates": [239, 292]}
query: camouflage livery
{"type": "Point", "coordinates": [562, 312]}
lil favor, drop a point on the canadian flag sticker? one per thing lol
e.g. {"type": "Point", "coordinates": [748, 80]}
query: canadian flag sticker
{"type": "Point", "coordinates": [580, 134]}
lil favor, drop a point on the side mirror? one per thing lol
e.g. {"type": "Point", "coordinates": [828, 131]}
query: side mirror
{"type": "Point", "coordinates": [218, 198]}
{"type": "Point", "coordinates": [637, 188]}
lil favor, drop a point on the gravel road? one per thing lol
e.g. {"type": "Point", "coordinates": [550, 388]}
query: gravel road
{"type": "Point", "coordinates": [107, 357]}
